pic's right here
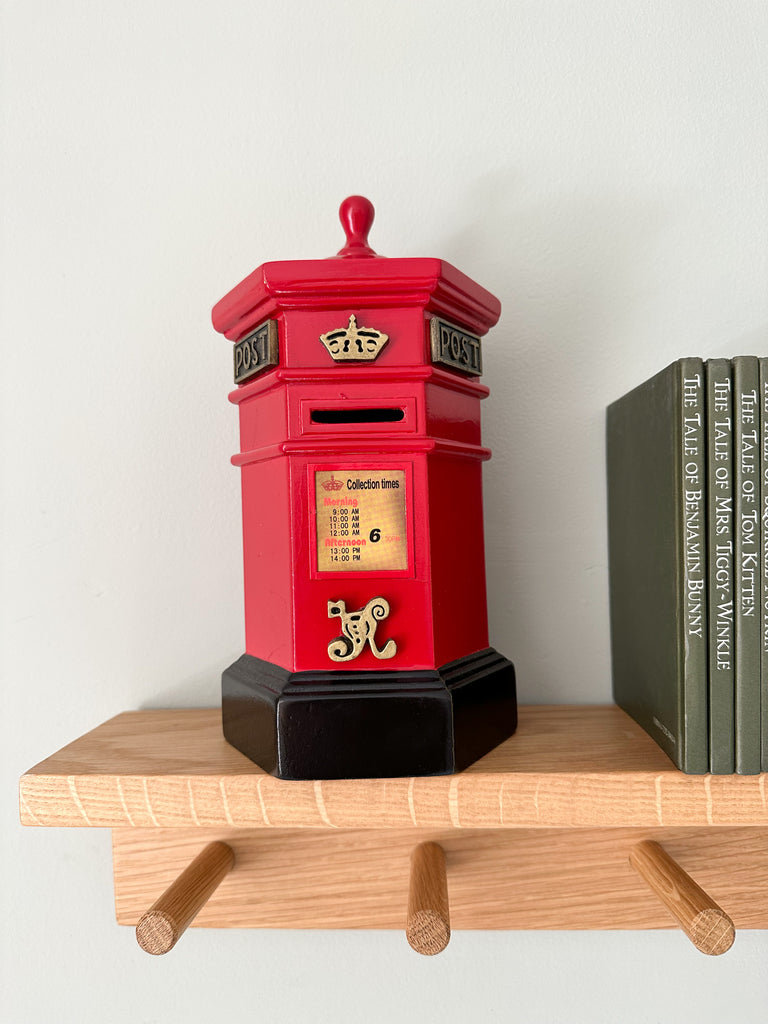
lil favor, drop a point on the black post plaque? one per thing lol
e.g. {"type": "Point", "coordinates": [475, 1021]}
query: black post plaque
{"type": "Point", "coordinates": [455, 348]}
{"type": "Point", "coordinates": [257, 352]}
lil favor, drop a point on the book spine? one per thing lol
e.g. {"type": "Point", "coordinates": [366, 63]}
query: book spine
{"type": "Point", "coordinates": [694, 645]}
{"type": "Point", "coordinates": [746, 407]}
{"type": "Point", "coordinates": [720, 566]}
{"type": "Point", "coordinates": [764, 561]}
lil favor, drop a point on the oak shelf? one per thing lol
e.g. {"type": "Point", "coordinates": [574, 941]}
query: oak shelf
{"type": "Point", "coordinates": [567, 767]}
{"type": "Point", "coordinates": [537, 834]}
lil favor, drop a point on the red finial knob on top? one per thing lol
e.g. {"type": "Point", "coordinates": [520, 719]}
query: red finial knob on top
{"type": "Point", "coordinates": [356, 214]}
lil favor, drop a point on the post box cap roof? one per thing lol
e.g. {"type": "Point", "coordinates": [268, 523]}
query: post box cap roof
{"type": "Point", "coordinates": [355, 277]}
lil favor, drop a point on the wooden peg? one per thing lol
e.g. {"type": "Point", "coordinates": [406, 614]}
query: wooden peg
{"type": "Point", "coordinates": [160, 928]}
{"type": "Point", "coordinates": [705, 923]}
{"type": "Point", "coordinates": [428, 928]}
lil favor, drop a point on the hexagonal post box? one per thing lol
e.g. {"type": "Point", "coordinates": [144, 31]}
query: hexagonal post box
{"type": "Point", "coordinates": [366, 632]}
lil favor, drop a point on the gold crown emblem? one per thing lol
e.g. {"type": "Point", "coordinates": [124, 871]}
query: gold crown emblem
{"type": "Point", "coordinates": [333, 484]}
{"type": "Point", "coordinates": [353, 342]}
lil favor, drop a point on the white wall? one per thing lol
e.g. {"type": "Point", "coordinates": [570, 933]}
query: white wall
{"type": "Point", "coordinates": [600, 165]}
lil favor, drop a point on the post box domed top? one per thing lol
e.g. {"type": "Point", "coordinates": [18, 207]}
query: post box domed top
{"type": "Point", "coordinates": [357, 276]}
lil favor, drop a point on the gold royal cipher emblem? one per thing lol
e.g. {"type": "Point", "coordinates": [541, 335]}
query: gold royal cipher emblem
{"type": "Point", "coordinates": [359, 628]}
{"type": "Point", "coordinates": [362, 344]}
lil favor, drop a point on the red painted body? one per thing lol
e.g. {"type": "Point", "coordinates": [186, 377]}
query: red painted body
{"type": "Point", "coordinates": [437, 601]}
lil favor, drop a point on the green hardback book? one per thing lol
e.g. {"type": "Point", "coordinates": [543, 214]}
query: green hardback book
{"type": "Point", "coordinates": [746, 482]}
{"type": "Point", "coordinates": [719, 411]}
{"type": "Point", "coordinates": [657, 549]}
{"type": "Point", "coordinates": [764, 561]}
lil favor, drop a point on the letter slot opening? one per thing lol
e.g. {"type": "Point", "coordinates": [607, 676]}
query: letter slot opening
{"type": "Point", "coordinates": [357, 415]}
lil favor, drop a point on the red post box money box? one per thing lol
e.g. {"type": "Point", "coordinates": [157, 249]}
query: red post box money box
{"type": "Point", "coordinates": [366, 631]}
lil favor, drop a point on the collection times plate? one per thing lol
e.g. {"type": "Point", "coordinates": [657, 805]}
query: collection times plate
{"type": "Point", "coordinates": [361, 520]}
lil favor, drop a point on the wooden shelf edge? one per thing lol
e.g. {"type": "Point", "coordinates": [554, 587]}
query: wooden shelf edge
{"type": "Point", "coordinates": [568, 767]}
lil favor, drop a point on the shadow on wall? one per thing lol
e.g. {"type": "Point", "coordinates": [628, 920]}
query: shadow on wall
{"type": "Point", "coordinates": [573, 271]}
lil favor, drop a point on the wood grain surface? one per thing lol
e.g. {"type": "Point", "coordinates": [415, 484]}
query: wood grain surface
{"type": "Point", "coordinates": [497, 879]}
{"type": "Point", "coordinates": [428, 923]}
{"type": "Point", "coordinates": [567, 767]}
{"type": "Point", "coordinates": [705, 923]}
{"type": "Point", "coordinates": [161, 927]}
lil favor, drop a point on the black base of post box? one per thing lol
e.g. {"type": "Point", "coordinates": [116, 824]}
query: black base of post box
{"type": "Point", "coordinates": [345, 725]}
